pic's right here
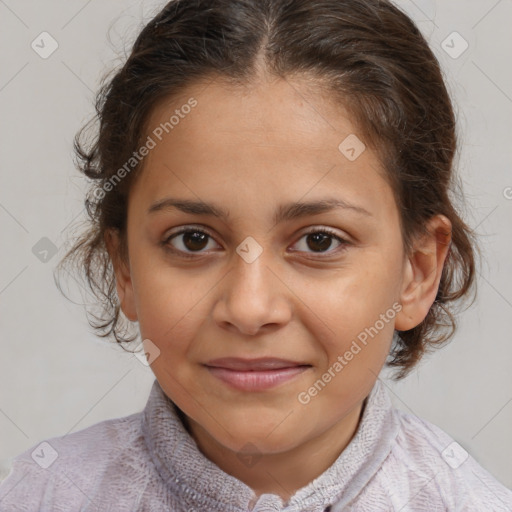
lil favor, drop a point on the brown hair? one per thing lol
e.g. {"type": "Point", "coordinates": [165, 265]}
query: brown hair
{"type": "Point", "coordinates": [366, 54]}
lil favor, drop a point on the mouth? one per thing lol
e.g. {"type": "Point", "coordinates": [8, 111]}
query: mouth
{"type": "Point", "coordinates": [255, 374]}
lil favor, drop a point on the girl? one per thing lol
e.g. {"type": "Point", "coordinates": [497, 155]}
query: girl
{"type": "Point", "coordinates": [270, 203]}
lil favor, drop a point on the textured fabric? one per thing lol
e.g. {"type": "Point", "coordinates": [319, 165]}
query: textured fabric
{"type": "Point", "coordinates": [148, 462]}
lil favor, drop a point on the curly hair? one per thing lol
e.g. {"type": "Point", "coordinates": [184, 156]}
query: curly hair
{"type": "Point", "coordinates": [366, 54]}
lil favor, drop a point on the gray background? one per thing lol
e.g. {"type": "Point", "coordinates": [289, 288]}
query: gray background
{"type": "Point", "coordinates": [56, 377]}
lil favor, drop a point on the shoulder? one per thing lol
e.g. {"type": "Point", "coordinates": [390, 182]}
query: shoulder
{"type": "Point", "coordinates": [426, 465]}
{"type": "Point", "coordinates": [92, 445]}
{"type": "Point", "coordinates": [65, 466]}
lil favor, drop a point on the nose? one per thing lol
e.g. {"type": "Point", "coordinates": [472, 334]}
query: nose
{"type": "Point", "coordinates": [253, 298]}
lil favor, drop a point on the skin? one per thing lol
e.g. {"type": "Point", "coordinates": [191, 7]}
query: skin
{"type": "Point", "coordinates": [250, 150]}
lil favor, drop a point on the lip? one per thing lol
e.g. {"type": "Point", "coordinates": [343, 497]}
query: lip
{"type": "Point", "coordinates": [255, 374]}
{"type": "Point", "coordinates": [262, 363]}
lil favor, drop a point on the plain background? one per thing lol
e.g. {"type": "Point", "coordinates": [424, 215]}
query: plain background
{"type": "Point", "coordinates": [57, 377]}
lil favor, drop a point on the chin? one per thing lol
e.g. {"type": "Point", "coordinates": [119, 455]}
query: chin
{"type": "Point", "coordinates": [259, 439]}
{"type": "Point", "coordinates": [260, 445]}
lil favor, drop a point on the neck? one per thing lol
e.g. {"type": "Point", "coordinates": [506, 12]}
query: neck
{"type": "Point", "coordinates": [286, 472]}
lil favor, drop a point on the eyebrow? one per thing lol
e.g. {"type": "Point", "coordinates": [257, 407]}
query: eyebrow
{"type": "Point", "coordinates": [284, 212]}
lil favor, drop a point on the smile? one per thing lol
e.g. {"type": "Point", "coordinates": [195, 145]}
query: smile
{"type": "Point", "coordinates": [255, 374]}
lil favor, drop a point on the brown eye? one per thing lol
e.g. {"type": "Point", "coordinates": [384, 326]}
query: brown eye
{"type": "Point", "coordinates": [188, 241]}
{"type": "Point", "coordinates": [320, 241]}
{"type": "Point", "coordinates": [195, 240]}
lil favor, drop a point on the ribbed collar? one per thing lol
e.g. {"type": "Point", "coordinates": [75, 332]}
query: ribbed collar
{"type": "Point", "coordinates": [199, 484]}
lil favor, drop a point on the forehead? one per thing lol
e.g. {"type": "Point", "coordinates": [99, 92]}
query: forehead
{"type": "Point", "coordinates": [265, 141]}
{"type": "Point", "coordinates": [278, 112]}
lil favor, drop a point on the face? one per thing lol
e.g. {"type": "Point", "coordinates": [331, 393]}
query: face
{"type": "Point", "coordinates": [260, 275]}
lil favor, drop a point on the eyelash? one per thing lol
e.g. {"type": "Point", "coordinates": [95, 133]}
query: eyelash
{"type": "Point", "coordinates": [187, 255]}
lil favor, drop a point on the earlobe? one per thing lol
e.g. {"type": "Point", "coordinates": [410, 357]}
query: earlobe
{"type": "Point", "coordinates": [422, 273]}
{"type": "Point", "coordinates": [124, 285]}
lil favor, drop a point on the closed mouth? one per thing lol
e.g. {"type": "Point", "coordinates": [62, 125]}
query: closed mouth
{"type": "Point", "coordinates": [254, 365]}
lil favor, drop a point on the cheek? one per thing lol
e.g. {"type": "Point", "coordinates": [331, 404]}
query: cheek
{"type": "Point", "coordinates": [355, 300]}
{"type": "Point", "coordinates": [169, 305]}
{"type": "Point", "coordinates": [359, 307]}
{"type": "Point", "coordinates": [355, 357]}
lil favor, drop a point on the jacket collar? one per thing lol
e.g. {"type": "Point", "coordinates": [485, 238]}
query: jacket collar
{"type": "Point", "coordinates": [199, 484]}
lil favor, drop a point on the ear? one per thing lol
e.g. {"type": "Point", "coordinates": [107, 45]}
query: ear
{"type": "Point", "coordinates": [124, 284]}
{"type": "Point", "coordinates": [422, 273]}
